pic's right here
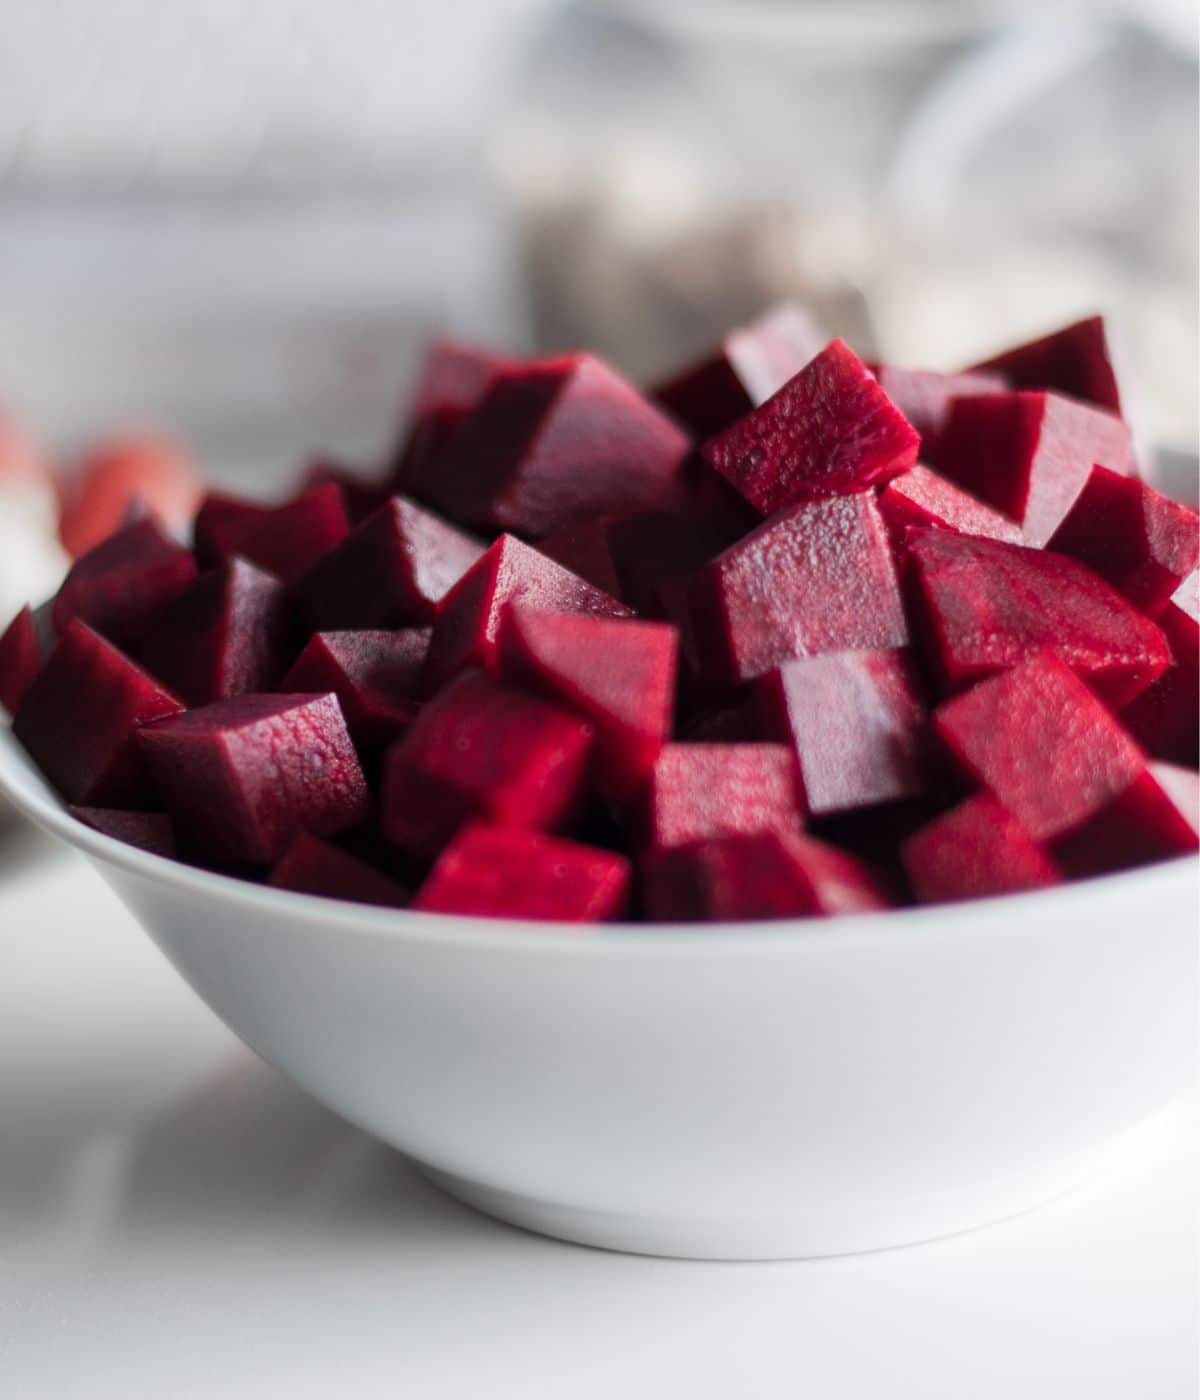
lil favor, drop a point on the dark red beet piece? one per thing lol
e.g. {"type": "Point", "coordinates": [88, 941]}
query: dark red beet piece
{"type": "Point", "coordinates": [20, 659]}
{"type": "Point", "coordinates": [288, 540]}
{"type": "Point", "coordinates": [242, 777]}
{"type": "Point", "coordinates": [1152, 819]}
{"type": "Point", "coordinates": [312, 866]}
{"type": "Point", "coordinates": [391, 572]}
{"type": "Point", "coordinates": [149, 831]}
{"type": "Point", "coordinates": [978, 848]}
{"type": "Point", "coordinates": [585, 551]}
{"type": "Point", "coordinates": [618, 674]}
{"type": "Point", "coordinates": [117, 587]}
{"type": "Point", "coordinates": [1030, 454]}
{"type": "Point", "coordinates": [79, 720]}
{"type": "Point", "coordinates": [701, 791]}
{"type": "Point", "coordinates": [819, 578]}
{"type": "Point", "coordinates": [766, 875]}
{"type": "Point", "coordinates": [988, 605]}
{"type": "Point", "coordinates": [506, 873]}
{"type": "Point", "coordinates": [921, 497]}
{"type": "Point", "coordinates": [923, 396]}
{"type": "Point", "coordinates": [1075, 360]}
{"type": "Point", "coordinates": [854, 720]}
{"type": "Point", "coordinates": [828, 431]}
{"type": "Point", "coordinates": [224, 635]}
{"type": "Point", "coordinates": [361, 495]}
{"type": "Point", "coordinates": [1144, 544]}
{"type": "Point", "coordinates": [219, 522]}
{"type": "Point", "coordinates": [1165, 717]}
{"type": "Point", "coordinates": [483, 750]}
{"type": "Point", "coordinates": [467, 628]}
{"type": "Point", "coordinates": [556, 442]}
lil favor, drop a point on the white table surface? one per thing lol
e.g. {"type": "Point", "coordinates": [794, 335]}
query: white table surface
{"type": "Point", "coordinates": [176, 1220]}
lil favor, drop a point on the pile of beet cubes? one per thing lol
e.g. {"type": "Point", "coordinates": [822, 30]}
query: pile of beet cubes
{"type": "Point", "coordinates": [788, 635]}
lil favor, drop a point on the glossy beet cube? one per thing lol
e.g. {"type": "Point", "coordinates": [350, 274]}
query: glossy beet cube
{"type": "Point", "coordinates": [988, 605]}
{"type": "Point", "coordinates": [978, 848]}
{"type": "Point", "coordinates": [854, 720]}
{"type": "Point", "coordinates": [242, 777]}
{"type": "Point", "coordinates": [701, 791]}
{"type": "Point", "coordinates": [585, 551]}
{"type": "Point", "coordinates": [923, 498]}
{"type": "Point", "coordinates": [1152, 819]}
{"type": "Point", "coordinates": [466, 632]}
{"type": "Point", "coordinates": [923, 396]}
{"type": "Point", "coordinates": [1075, 360]}
{"type": "Point", "coordinates": [506, 873]}
{"type": "Point", "coordinates": [483, 750]}
{"type": "Point", "coordinates": [20, 659]}
{"type": "Point", "coordinates": [1165, 717]}
{"type": "Point", "coordinates": [79, 720]}
{"type": "Point", "coordinates": [1144, 544]}
{"type": "Point", "coordinates": [392, 571]}
{"type": "Point", "coordinates": [817, 579]}
{"type": "Point", "coordinates": [220, 521]}
{"type": "Point", "coordinates": [556, 442]}
{"type": "Point", "coordinates": [1030, 454]}
{"type": "Point", "coordinates": [830, 430]}
{"type": "Point", "coordinates": [288, 540]}
{"type": "Point", "coordinates": [226, 634]}
{"type": "Point", "coordinates": [149, 831]}
{"type": "Point", "coordinates": [766, 875]}
{"type": "Point", "coordinates": [619, 674]}
{"type": "Point", "coordinates": [117, 587]}
{"type": "Point", "coordinates": [312, 866]}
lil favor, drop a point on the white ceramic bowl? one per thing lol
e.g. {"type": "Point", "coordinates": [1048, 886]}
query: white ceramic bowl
{"type": "Point", "coordinates": [742, 1091]}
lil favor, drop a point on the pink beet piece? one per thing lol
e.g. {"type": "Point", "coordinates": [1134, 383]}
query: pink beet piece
{"type": "Point", "coordinates": [988, 605]}
{"type": "Point", "coordinates": [467, 628]}
{"type": "Point", "coordinates": [1075, 360]}
{"type": "Point", "coordinates": [749, 365]}
{"type": "Point", "coordinates": [1165, 717]}
{"type": "Point", "coordinates": [555, 442]}
{"type": "Point", "coordinates": [585, 551]}
{"type": "Point", "coordinates": [220, 521]}
{"type": "Point", "coordinates": [1144, 544]}
{"type": "Point", "coordinates": [816, 579]}
{"type": "Point", "coordinates": [1029, 455]}
{"type": "Point", "coordinates": [923, 498]}
{"type": "Point", "coordinates": [701, 791]}
{"type": "Point", "coordinates": [1045, 747]}
{"type": "Point", "coordinates": [923, 396]}
{"type": "Point", "coordinates": [483, 750]}
{"type": "Point", "coordinates": [290, 539]}
{"type": "Point", "coordinates": [242, 777]}
{"type": "Point", "coordinates": [117, 587]}
{"type": "Point", "coordinates": [830, 430]}
{"type": "Point", "coordinates": [391, 572]}
{"type": "Point", "coordinates": [313, 866]}
{"type": "Point", "coordinates": [763, 875]}
{"type": "Point", "coordinates": [507, 873]}
{"type": "Point", "coordinates": [618, 674]}
{"type": "Point", "coordinates": [375, 675]}
{"type": "Point", "coordinates": [855, 722]}
{"type": "Point", "coordinates": [80, 717]}
{"type": "Point", "coordinates": [1154, 818]}
{"type": "Point", "coordinates": [149, 831]}
{"type": "Point", "coordinates": [978, 848]}
{"type": "Point", "coordinates": [226, 634]}
{"type": "Point", "coordinates": [20, 659]}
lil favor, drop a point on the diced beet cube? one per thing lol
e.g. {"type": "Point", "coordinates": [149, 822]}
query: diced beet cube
{"type": "Point", "coordinates": [224, 635]}
{"type": "Point", "coordinates": [221, 520]}
{"type": "Point", "coordinates": [828, 431]}
{"type": "Point", "coordinates": [117, 587]}
{"type": "Point", "coordinates": [585, 551]}
{"type": "Point", "coordinates": [764, 875]}
{"type": "Point", "coordinates": [618, 674]}
{"type": "Point", "coordinates": [978, 848]}
{"type": "Point", "coordinates": [80, 717]}
{"type": "Point", "coordinates": [467, 628]}
{"type": "Point", "coordinates": [749, 365]}
{"type": "Point", "coordinates": [312, 866]}
{"type": "Point", "coordinates": [96, 495]}
{"type": "Point", "coordinates": [149, 831]}
{"type": "Point", "coordinates": [923, 396]}
{"type": "Point", "coordinates": [988, 605]}
{"type": "Point", "coordinates": [1075, 360]}
{"type": "Point", "coordinates": [1144, 544]}
{"type": "Point", "coordinates": [1030, 454]}
{"type": "Point", "coordinates": [242, 777]}
{"type": "Point", "coordinates": [922, 497]}
{"type": "Point", "coordinates": [701, 791]}
{"type": "Point", "coordinates": [20, 659]}
{"type": "Point", "coordinates": [375, 675]}
{"type": "Point", "coordinates": [854, 720]}
{"type": "Point", "coordinates": [290, 539]}
{"type": "Point", "coordinates": [1043, 745]}
{"type": "Point", "coordinates": [1152, 819]}
{"type": "Point", "coordinates": [1165, 717]}
{"type": "Point", "coordinates": [555, 442]}
{"type": "Point", "coordinates": [360, 495]}
{"type": "Point", "coordinates": [392, 571]}
{"type": "Point", "coordinates": [819, 578]}
{"type": "Point", "coordinates": [483, 750]}
{"type": "Point", "coordinates": [506, 873]}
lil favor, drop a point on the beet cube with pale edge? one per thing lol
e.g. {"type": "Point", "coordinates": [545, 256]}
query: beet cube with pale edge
{"type": "Point", "coordinates": [149, 831]}
{"type": "Point", "coordinates": [1164, 717]}
{"type": "Point", "coordinates": [700, 791]}
{"type": "Point", "coordinates": [923, 396]}
{"type": "Point", "coordinates": [978, 848]}
{"type": "Point", "coordinates": [312, 866]}
{"type": "Point", "coordinates": [923, 498]}
{"type": "Point", "coordinates": [1075, 360]}
{"type": "Point", "coordinates": [375, 675]}
{"type": "Point", "coordinates": [20, 659]}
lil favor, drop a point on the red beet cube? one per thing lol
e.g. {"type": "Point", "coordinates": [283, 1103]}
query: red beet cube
{"type": "Point", "coordinates": [765, 875]}
{"type": "Point", "coordinates": [1165, 717]}
{"type": "Point", "coordinates": [149, 831]}
{"type": "Point", "coordinates": [618, 674]}
{"type": "Point", "coordinates": [555, 442]}
{"type": "Point", "coordinates": [701, 791]}
{"type": "Point", "coordinates": [1144, 544]}
{"type": "Point", "coordinates": [221, 520]}
{"type": "Point", "coordinates": [828, 431]}
{"type": "Point", "coordinates": [1075, 360]}
{"type": "Point", "coordinates": [312, 866]}
{"type": "Point", "coordinates": [506, 873]}
{"type": "Point", "coordinates": [20, 659]}
{"type": "Point", "coordinates": [921, 497]}
{"type": "Point", "coordinates": [224, 635]}
{"type": "Point", "coordinates": [819, 578]}
{"type": "Point", "coordinates": [242, 777]}
{"type": "Point", "coordinates": [288, 540]}
{"type": "Point", "coordinates": [923, 396]}
{"type": "Point", "coordinates": [854, 720]}
{"type": "Point", "coordinates": [391, 572]}
{"type": "Point", "coordinates": [79, 720]}
{"type": "Point", "coordinates": [360, 495]}
{"type": "Point", "coordinates": [1030, 454]}
{"type": "Point", "coordinates": [1152, 819]}
{"type": "Point", "coordinates": [988, 605]}
{"type": "Point", "coordinates": [585, 551]}
{"type": "Point", "coordinates": [978, 848]}
{"type": "Point", "coordinates": [483, 750]}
